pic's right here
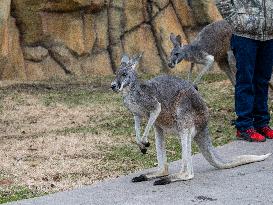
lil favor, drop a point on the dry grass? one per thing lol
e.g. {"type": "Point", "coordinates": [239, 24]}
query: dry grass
{"type": "Point", "coordinates": [52, 147]}
{"type": "Point", "coordinates": [60, 136]}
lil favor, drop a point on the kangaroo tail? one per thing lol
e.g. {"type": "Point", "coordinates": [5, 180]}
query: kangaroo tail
{"type": "Point", "coordinates": [204, 143]}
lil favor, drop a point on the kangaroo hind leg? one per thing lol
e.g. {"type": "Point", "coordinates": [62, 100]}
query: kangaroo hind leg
{"type": "Point", "coordinates": [186, 172]}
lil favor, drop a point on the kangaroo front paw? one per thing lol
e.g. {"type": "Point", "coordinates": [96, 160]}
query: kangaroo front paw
{"type": "Point", "coordinates": [143, 150]}
{"type": "Point", "coordinates": [146, 144]}
{"type": "Point", "coordinates": [140, 178]}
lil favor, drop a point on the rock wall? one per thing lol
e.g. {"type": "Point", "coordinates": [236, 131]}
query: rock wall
{"type": "Point", "coordinates": [52, 39]}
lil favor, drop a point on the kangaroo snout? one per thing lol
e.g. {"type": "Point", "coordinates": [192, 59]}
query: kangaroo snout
{"type": "Point", "coordinates": [171, 65]}
{"type": "Point", "coordinates": [114, 87]}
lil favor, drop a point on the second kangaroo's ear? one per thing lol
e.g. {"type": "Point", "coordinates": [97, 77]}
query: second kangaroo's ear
{"type": "Point", "coordinates": [173, 39]}
{"type": "Point", "coordinates": [135, 60]}
{"type": "Point", "coordinates": [179, 40]}
{"type": "Point", "coordinates": [125, 59]}
{"type": "Point", "coordinates": [176, 40]}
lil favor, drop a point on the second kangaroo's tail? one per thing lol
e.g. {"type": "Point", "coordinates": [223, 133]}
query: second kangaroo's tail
{"type": "Point", "coordinates": [204, 143]}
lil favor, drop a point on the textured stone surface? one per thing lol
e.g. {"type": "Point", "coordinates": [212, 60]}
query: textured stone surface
{"type": "Point", "coordinates": [66, 60]}
{"type": "Point", "coordinates": [115, 25]}
{"type": "Point", "coordinates": [184, 12]}
{"type": "Point", "coordinates": [68, 28]}
{"type": "Point", "coordinates": [116, 3]}
{"type": "Point", "coordinates": [4, 24]}
{"type": "Point", "coordinates": [134, 13]}
{"type": "Point", "coordinates": [35, 54]}
{"type": "Point", "coordinates": [116, 52]}
{"type": "Point", "coordinates": [12, 65]}
{"type": "Point", "coordinates": [44, 70]}
{"type": "Point", "coordinates": [142, 40]}
{"type": "Point", "coordinates": [73, 5]}
{"type": "Point", "coordinates": [4, 35]}
{"type": "Point", "coordinates": [165, 22]}
{"type": "Point", "coordinates": [98, 64]}
{"type": "Point", "coordinates": [205, 11]}
{"type": "Point", "coordinates": [161, 3]}
{"type": "Point", "coordinates": [28, 19]}
{"type": "Point", "coordinates": [85, 37]}
{"type": "Point", "coordinates": [101, 30]}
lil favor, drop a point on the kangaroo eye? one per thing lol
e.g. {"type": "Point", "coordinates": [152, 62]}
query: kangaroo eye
{"type": "Point", "coordinates": [124, 74]}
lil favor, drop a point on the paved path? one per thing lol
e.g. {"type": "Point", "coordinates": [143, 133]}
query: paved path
{"type": "Point", "coordinates": [249, 184]}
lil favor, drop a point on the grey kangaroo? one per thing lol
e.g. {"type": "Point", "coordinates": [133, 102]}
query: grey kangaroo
{"type": "Point", "coordinates": [211, 44]}
{"type": "Point", "coordinates": [172, 105]}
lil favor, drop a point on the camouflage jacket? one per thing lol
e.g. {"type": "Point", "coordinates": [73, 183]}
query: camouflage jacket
{"type": "Point", "coordinates": [249, 18]}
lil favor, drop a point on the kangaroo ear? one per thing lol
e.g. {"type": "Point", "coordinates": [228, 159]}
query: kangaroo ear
{"type": "Point", "coordinates": [176, 40]}
{"type": "Point", "coordinates": [125, 59]}
{"type": "Point", "coordinates": [135, 60]}
{"type": "Point", "coordinates": [173, 39]}
{"type": "Point", "coordinates": [179, 40]}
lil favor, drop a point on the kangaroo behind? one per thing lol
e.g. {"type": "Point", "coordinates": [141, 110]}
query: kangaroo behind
{"type": "Point", "coordinates": [211, 44]}
{"type": "Point", "coordinates": [171, 105]}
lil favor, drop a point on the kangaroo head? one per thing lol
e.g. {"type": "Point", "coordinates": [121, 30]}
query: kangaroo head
{"type": "Point", "coordinates": [126, 75]}
{"type": "Point", "coordinates": [176, 51]}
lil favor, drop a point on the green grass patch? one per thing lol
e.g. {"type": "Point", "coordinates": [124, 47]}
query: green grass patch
{"type": "Point", "coordinates": [214, 77]}
{"type": "Point", "coordinates": [79, 97]}
{"type": "Point", "coordinates": [17, 193]}
{"type": "Point", "coordinates": [120, 123]}
{"type": "Point", "coordinates": [1, 102]}
{"type": "Point", "coordinates": [128, 157]}
{"type": "Point", "coordinates": [79, 129]}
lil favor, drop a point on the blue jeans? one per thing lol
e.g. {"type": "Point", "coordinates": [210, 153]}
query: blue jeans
{"type": "Point", "coordinates": [254, 61]}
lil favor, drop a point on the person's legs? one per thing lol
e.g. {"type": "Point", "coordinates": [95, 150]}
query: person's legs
{"type": "Point", "coordinates": [245, 53]}
{"type": "Point", "coordinates": [262, 76]}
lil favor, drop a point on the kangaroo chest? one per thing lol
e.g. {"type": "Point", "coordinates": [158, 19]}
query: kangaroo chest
{"type": "Point", "coordinates": [133, 105]}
